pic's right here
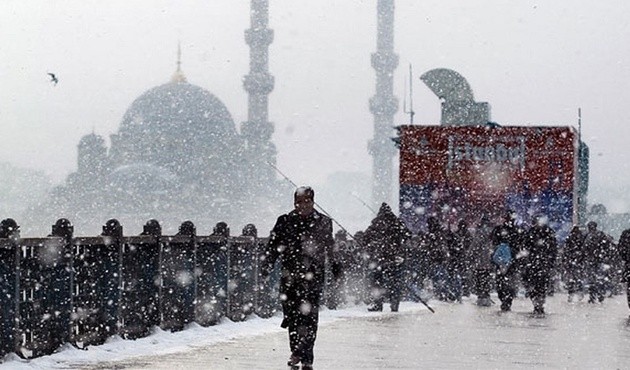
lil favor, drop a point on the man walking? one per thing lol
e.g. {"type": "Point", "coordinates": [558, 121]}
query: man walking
{"type": "Point", "coordinates": [624, 252]}
{"type": "Point", "coordinates": [507, 235]}
{"type": "Point", "coordinates": [385, 238]}
{"type": "Point", "coordinates": [303, 241]}
{"type": "Point", "coordinates": [596, 256]}
{"type": "Point", "coordinates": [540, 248]}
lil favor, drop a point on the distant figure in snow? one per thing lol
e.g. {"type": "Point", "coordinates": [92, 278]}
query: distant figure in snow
{"type": "Point", "coordinates": [624, 252]}
{"type": "Point", "coordinates": [384, 239]}
{"type": "Point", "coordinates": [573, 263]}
{"type": "Point", "coordinates": [53, 78]}
{"type": "Point", "coordinates": [507, 233]}
{"type": "Point", "coordinates": [482, 265]}
{"type": "Point", "coordinates": [596, 259]}
{"type": "Point", "coordinates": [540, 247]}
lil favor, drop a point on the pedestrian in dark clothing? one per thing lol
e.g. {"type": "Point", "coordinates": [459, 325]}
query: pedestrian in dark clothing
{"type": "Point", "coordinates": [596, 255]}
{"type": "Point", "coordinates": [507, 233]}
{"type": "Point", "coordinates": [437, 240]}
{"type": "Point", "coordinates": [481, 261]}
{"type": "Point", "coordinates": [416, 266]}
{"type": "Point", "coordinates": [539, 250]}
{"type": "Point", "coordinates": [303, 241]}
{"type": "Point", "coordinates": [573, 263]}
{"type": "Point", "coordinates": [458, 264]}
{"type": "Point", "coordinates": [624, 254]}
{"type": "Point", "coordinates": [385, 238]}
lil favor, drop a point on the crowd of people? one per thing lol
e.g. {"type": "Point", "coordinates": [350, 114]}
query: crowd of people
{"type": "Point", "coordinates": [504, 256]}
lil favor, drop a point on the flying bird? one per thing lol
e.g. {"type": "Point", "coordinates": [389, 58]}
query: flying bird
{"type": "Point", "coordinates": [53, 78]}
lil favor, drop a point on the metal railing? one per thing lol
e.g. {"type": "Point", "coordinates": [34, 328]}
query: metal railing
{"type": "Point", "coordinates": [82, 290]}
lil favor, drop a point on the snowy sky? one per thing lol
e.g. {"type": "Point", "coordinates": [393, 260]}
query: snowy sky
{"type": "Point", "coordinates": [535, 62]}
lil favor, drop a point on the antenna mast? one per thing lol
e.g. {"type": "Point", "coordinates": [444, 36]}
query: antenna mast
{"type": "Point", "coordinates": [410, 112]}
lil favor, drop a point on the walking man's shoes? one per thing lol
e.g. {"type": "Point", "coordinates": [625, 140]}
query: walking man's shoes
{"type": "Point", "coordinates": [294, 362]}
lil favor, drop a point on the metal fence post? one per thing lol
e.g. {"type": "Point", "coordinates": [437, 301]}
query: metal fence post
{"type": "Point", "coordinates": [212, 279]}
{"type": "Point", "coordinates": [178, 278]}
{"type": "Point", "coordinates": [8, 294]}
{"type": "Point", "coordinates": [139, 290]}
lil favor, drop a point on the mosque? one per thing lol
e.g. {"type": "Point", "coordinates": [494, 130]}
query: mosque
{"type": "Point", "coordinates": [178, 154]}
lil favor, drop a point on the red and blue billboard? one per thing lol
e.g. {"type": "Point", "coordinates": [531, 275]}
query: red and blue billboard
{"type": "Point", "coordinates": [467, 172]}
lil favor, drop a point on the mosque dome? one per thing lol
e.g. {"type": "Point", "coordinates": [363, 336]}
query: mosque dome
{"type": "Point", "coordinates": [177, 126]}
{"type": "Point", "coordinates": [177, 107]}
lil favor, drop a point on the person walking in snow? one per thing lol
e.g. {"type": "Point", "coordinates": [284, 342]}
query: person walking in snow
{"type": "Point", "coordinates": [481, 261]}
{"type": "Point", "coordinates": [385, 238]}
{"type": "Point", "coordinates": [624, 254]}
{"type": "Point", "coordinates": [539, 250]}
{"type": "Point", "coordinates": [573, 263]}
{"type": "Point", "coordinates": [507, 234]}
{"type": "Point", "coordinates": [437, 241]}
{"type": "Point", "coordinates": [458, 264]}
{"type": "Point", "coordinates": [597, 250]}
{"type": "Point", "coordinates": [303, 241]}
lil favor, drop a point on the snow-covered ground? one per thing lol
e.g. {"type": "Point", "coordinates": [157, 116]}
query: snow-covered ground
{"type": "Point", "coordinates": [572, 335]}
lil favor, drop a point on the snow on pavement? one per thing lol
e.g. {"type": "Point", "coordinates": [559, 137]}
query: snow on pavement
{"type": "Point", "coordinates": [573, 335]}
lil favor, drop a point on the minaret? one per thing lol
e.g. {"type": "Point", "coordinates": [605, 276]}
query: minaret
{"type": "Point", "coordinates": [383, 105]}
{"type": "Point", "coordinates": [257, 130]}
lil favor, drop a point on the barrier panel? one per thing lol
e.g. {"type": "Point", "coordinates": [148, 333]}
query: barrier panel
{"type": "Point", "coordinates": [8, 294]}
{"type": "Point", "coordinates": [212, 279]}
{"type": "Point", "coordinates": [96, 290]}
{"type": "Point", "coordinates": [140, 286]}
{"type": "Point", "coordinates": [267, 293]}
{"type": "Point", "coordinates": [241, 277]}
{"type": "Point", "coordinates": [178, 282]}
{"type": "Point", "coordinates": [44, 296]}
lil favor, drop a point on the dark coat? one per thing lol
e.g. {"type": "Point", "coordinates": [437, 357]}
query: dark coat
{"type": "Point", "coordinates": [540, 248]}
{"type": "Point", "coordinates": [385, 237]}
{"type": "Point", "coordinates": [303, 244]}
{"type": "Point", "coordinates": [460, 250]}
{"type": "Point", "coordinates": [509, 233]}
{"type": "Point", "coordinates": [482, 248]}
{"type": "Point", "coordinates": [597, 248]}
{"type": "Point", "coordinates": [624, 253]}
{"type": "Point", "coordinates": [437, 243]}
{"type": "Point", "coordinates": [573, 251]}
